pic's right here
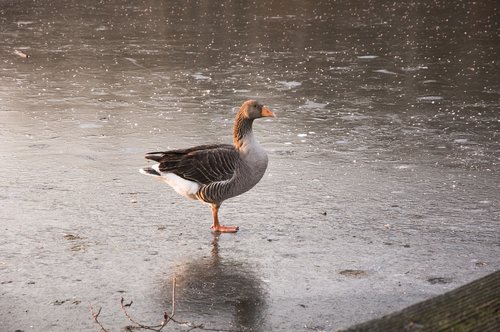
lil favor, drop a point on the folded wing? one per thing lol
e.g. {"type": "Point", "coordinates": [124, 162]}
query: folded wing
{"type": "Point", "coordinates": [204, 164]}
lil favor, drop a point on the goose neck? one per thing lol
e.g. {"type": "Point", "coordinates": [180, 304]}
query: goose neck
{"type": "Point", "coordinates": [242, 131]}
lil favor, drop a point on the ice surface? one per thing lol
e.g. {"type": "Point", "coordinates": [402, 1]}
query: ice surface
{"type": "Point", "coordinates": [376, 182]}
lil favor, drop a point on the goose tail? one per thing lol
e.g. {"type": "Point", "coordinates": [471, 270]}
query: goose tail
{"type": "Point", "coordinates": [151, 171]}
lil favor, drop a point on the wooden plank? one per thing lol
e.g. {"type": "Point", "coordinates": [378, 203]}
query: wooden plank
{"type": "Point", "coordinates": [472, 307]}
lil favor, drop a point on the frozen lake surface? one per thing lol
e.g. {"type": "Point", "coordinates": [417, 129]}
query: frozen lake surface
{"type": "Point", "coordinates": [383, 181]}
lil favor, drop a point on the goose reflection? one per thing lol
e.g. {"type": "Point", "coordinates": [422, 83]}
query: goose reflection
{"type": "Point", "coordinates": [217, 292]}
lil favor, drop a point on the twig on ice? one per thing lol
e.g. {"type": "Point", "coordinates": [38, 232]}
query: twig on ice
{"type": "Point", "coordinates": [96, 317]}
{"type": "Point", "coordinates": [166, 318]}
{"type": "Point", "coordinates": [174, 284]}
{"type": "Point", "coordinates": [136, 323]}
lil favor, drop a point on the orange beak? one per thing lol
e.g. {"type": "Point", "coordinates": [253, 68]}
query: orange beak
{"type": "Point", "coordinates": [266, 112]}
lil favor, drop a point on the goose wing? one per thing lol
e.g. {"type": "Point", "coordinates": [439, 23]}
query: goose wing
{"type": "Point", "coordinates": [204, 164]}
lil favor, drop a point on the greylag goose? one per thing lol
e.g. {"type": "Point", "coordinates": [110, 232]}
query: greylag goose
{"type": "Point", "coordinates": [214, 173]}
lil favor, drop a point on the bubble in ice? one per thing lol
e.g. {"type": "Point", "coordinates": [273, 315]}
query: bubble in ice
{"type": "Point", "coordinates": [20, 23]}
{"type": "Point", "coordinates": [385, 71]}
{"type": "Point", "coordinates": [344, 68]}
{"type": "Point", "coordinates": [403, 166]}
{"type": "Point", "coordinates": [313, 104]}
{"type": "Point", "coordinates": [461, 140]}
{"type": "Point", "coordinates": [200, 76]}
{"type": "Point", "coordinates": [429, 98]}
{"type": "Point", "coordinates": [290, 84]}
{"type": "Point", "coordinates": [414, 68]}
{"type": "Point", "coordinates": [367, 57]}
{"type": "Point", "coordinates": [89, 125]}
{"type": "Point", "coordinates": [302, 135]}
{"type": "Point", "coordinates": [134, 62]}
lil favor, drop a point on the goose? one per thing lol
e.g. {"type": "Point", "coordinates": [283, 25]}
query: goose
{"type": "Point", "coordinates": [216, 172]}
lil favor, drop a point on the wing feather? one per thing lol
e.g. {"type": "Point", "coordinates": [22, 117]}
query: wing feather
{"type": "Point", "coordinates": [204, 164]}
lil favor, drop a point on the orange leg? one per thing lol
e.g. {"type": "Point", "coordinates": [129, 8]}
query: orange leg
{"type": "Point", "coordinates": [216, 227]}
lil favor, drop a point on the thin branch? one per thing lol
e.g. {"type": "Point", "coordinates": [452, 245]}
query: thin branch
{"type": "Point", "coordinates": [136, 323]}
{"type": "Point", "coordinates": [174, 284]}
{"type": "Point", "coordinates": [166, 318]}
{"type": "Point", "coordinates": [193, 326]}
{"type": "Point", "coordinates": [95, 316]}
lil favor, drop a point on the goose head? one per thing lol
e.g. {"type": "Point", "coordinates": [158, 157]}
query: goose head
{"type": "Point", "coordinates": [252, 109]}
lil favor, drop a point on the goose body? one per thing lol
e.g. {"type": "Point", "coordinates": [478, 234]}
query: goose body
{"type": "Point", "coordinates": [214, 173]}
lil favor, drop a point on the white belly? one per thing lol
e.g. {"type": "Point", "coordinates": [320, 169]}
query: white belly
{"type": "Point", "coordinates": [182, 186]}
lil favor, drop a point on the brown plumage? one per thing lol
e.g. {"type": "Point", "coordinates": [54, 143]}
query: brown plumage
{"type": "Point", "coordinates": [214, 173]}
